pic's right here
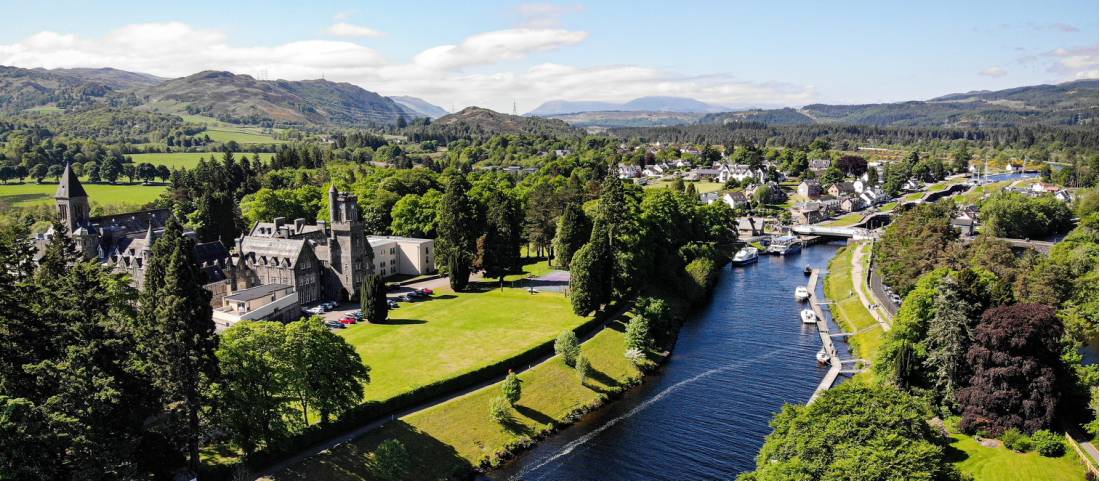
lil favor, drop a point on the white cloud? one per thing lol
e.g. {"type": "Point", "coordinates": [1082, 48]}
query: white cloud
{"type": "Point", "coordinates": [344, 29]}
{"type": "Point", "coordinates": [1075, 62]}
{"type": "Point", "coordinates": [492, 47]}
{"type": "Point", "coordinates": [440, 74]}
{"type": "Point", "coordinates": [545, 15]}
{"type": "Point", "coordinates": [994, 72]}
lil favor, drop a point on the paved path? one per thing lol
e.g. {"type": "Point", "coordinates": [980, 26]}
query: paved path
{"type": "Point", "coordinates": [859, 284]}
{"type": "Point", "coordinates": [269, 471]}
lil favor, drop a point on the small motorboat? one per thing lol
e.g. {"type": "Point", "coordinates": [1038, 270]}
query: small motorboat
{"type": "Point", "coordinates": [822, 357]}
{"type": "Point", "coordinates": [808, 316]}
{"type": "Point", "coordinates": [807, 271]}
{"type": "Point", "coordinates": [801, 293]}
{"type": "Point", "coordinates": [747, 255]}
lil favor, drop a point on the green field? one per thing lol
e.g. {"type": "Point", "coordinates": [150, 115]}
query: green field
{"type": "Point", "coordinates": [188, 160]}
{"type": "Point", "coordinates": [1002, 464]}
{"type": "Point", "coordinates": [449, 438]}
{"type": "Point", "coordinates": [846, 219]}
{"type": "Point", "coordinates": [29, 194]}
{"type": "Point", "coordinates": [454, 333]}
{"type": "Point", "coordinates": [242, 135]}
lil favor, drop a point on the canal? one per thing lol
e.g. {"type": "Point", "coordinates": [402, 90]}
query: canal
{"type": "Point", "coordinates": [705, 414]}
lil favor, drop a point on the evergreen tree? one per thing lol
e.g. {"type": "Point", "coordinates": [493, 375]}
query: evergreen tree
{"type": "Point", "coordinates": [590, 279]}
{"type": "Point", "coordinates": [511, 388]}
{"type": "Point", "coordinates": [496, 252]}
{"type": "Point", "coordinates": [372, 299]}
{"type": "Point", "coordinates": [637, 333]}
{"type": "Point", "coordinates": [572, 232]}
{"type": "Point", "coordinates": [457, 231]}
{"type": "Point", "coordinates": [217, 217]}
{"type": "Point", "coordinates": [948, 341]}
{"type": "Point", "coordinates": [181, 331]}
{"type": "Point", "coordinates": [567, 346]}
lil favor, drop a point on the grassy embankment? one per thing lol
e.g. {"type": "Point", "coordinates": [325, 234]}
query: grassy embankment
{"type": "Point", "coordinates": [188, 160]}
{"type": "Point", "coordinates": [983, 463]}
{"type": "Point", "coordinates": [849, 311]}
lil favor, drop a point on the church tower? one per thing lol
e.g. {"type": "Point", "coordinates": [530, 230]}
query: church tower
{"type": "Point", "coordinates": [72, 201]}
{"type": "Point", "coordinates": [347, 243]}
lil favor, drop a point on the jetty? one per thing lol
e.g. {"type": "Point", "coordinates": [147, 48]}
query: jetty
{"type": "Point", "coordinates": [835, 364]}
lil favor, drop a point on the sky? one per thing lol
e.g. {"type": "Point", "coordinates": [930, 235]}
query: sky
{"type": "Point", "coordinates": [495, 54]}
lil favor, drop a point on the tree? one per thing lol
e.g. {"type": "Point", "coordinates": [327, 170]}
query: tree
{"type": "Point", "coordinates": [590, 276]}
{"type": "Point", "coordinates": [110, 170]}
{"type": "Point", "coordinates": [216, 218]}
{"type": "Point", "coordinates": [38, 172]}
{"type": "Point", "coordinates": [573, 231]}
{"type": "Point", "coordinates": [637, 333]}
{"type": "Point", "coordinates": [416, 215]}
{"type": "Point", "coordinates": [251, 392]}
{"type": "Point", "coordinates": [914, 243]}
{"type": "Point", "coordinates": [854, 432]}
{"type": "Point", "coordinates": [390, 461]}
{"type": "Point", "coordinates": [852, 165]}
{"type": "Point", "coordinates": [163, 173]}
{"type": "Point", "coordinates": [372, 299]}
{"type": "Point", "coordinates": [1014, 215]}
{"type": "Point", "coordinates": [177, 311]}
{"type": "Point", "coordinates": [311, 348]}
{"type": "Point", "coordinates": [948, 341]}
{"type": "Point", "coordinates": [146, 171]}
{"type": "Point", "coordinates": [567, 346]}
{"type": "Point", "coordinates": [457, 231]}
{"type": "Point", "coordinates": [1016, 365]}
{"type": "Point", "coordinates": [499, 410]}
{"type": "Point", "coordinates": [93, 172]}
{"type": "Point", "coordinates": [55, 171]}
{"type": "Point", "coordinates": [511, 388]}
{"type": "Point", "coordinates": [496, 249]}
{"type": "Point", "coordinates": [583, 368]}
{"type": "Point", "coordinates": [540, 225]}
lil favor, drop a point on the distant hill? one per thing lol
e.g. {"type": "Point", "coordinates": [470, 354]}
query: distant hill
{"type": "Point", "coordinates": [241, 98]}
{"type": "Point", "coordinates": [22, 89]}
{"type": "Point", "coordinates": [477, 120]}
{"type": "Point", "coordinates": [619, 118]}
{"type": "Point", "coordinates": [419, 107]}
{"type": "Point", "coordinates": [641, 104]}
{"type": "Point", "coordinates": [111, 77]}
{"type": "Point", "coordinates": [1070, 103]}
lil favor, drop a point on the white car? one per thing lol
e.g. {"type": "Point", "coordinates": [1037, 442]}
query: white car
{"type": "Point", "coordinates": [315, 310]}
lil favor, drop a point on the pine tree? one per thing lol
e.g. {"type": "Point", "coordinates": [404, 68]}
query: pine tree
{"type": "Point", "coordinates": [372, 297]}
{"type": "Point", "coordinates": [457, 232]}
{"type": "Point", "coordinates": [572, 232]}
{"type": "Point", "coordinates": [496, 248]}
{"type": "Point", "coordinates": [181, 330]}
{"type": "Point", "coordinates": [590, 279]}
{"type": "Point", "coordinates": [948, 341]}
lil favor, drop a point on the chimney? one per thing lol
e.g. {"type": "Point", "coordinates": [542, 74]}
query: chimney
{"type": "Point", "coordinates": [299, 223]}
{"type": "Point", "coordinates": [279, 221]}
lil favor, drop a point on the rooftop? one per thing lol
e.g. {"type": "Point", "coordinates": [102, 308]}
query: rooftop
{"type": "Point", "coordinates": [255, 292]}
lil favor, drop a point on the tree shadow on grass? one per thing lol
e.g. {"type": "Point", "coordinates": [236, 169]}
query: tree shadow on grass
{"type": "Point", "coordinates": [445, 296]}
{"type": "Point", "coordinates": [952, 454]}
{"type": "Point", "coordinates": [601, 377]}
{"type": "Point", "coordinates": [429, 458]}
{"type": "Point", "coordinates": [534, 415]}
{"type": "Point", "coordinates": [515, 427]}
{"type": "Point", "coordinates": [402, 322]}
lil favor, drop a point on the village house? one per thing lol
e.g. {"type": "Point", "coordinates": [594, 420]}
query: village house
{"type": "Point", "coordinates": [841, 188]}
{"type": "Point", "coordinates": [736, 200]}
{"type": "Point", "coordinates": [805, 213]}
{"type": "Point", "coordinates": [809, 189]}
{"type": "Point", "coordinates": [852, 204]}
{"type": "Point", "coordinates": [819, 165]}
{"type": "Point", "coordinates": [629, 171]}
{"type": "Point", "coordinates": [739, 173]}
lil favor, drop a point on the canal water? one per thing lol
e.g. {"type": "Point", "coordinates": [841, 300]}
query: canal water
{"type": "Point", "coordinates": [705, 414]}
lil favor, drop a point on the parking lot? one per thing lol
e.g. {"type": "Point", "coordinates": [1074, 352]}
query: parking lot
{"type": "Point", "coordinates": [344, 308]}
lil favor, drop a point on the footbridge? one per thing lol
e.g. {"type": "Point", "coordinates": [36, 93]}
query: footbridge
{"type": "Point", "coordinates": [857, 233]}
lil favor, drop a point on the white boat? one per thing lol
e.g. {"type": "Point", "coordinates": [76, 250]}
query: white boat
{"type": "Point", "coordinates": [783, 245]}
{"type": "Point", "coordinates": [808, 316]}
{"type": "Point", "coordinates": [801, 293]}
{"type": "Point", "coordinates": [822, 357]}
{"type": "Point", "coordinates": [747, 255]}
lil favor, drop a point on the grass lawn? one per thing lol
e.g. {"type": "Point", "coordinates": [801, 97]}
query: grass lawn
{"type": "Point", "coordinates": [29, 194]}
{"type": "Point", "coordinates": [1002, 464]}
{"type": "Point", "coordinates": [888, 206]}
{"type": "Point", "coordinates": [452, 436]}
{"type": "Point", "coordinates": [425, 342]}
{"type": "Point", "coordinates": [848, 310]}
{"type": "Point", "coordinates": [700, 187]}
{"type": "Point", "coordinates": [846, 219]}
{"type": "Point", "coordinates": [241, 135]}
{"type": "Point", "coordinates": [188, 160]}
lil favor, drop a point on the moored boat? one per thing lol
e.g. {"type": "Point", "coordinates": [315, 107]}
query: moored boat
{"type": "Point", "coordinates": [801, 293]}
{"type": "Point", "coordinates": [784, 245]}
{"type": "Point", "coordinates": [747, 255]}
{"type": "Point", "coordinates": [807, 271]}
{"type": "Point", "coordinates": [822, 357]}
{"type": "Point", "coordinates": [808, 316]}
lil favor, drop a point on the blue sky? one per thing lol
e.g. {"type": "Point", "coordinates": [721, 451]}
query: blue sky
{"type": "Point", "coordinates": [491, 53]}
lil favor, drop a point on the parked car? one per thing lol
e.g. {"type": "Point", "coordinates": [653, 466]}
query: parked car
{"type": "Point", "coordinates": [315, 310]}
{"type": "Point", "coordinates": [348, 320]}
{"type": "Point", "coordinates": [392, 303]}
{"type": "Point", "coordinates": [403, 298]}
{"type": "Point", "coordinates": [427, 291]}
{"type": "Point", "coordinates": [896, 298]}
{"type": "Point", "coordinates": [328, 306]}
{"type": "Point", "coordinates": [334, 324]}
{"type": "Point", "coordinates": [358, 315]}
{"type": "Point", "coordinates": [416, 295]}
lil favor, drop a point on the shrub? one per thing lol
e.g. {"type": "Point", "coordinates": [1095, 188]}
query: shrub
{"type": "Point", "coordinates": [636, 356]}
{"type": "Point", "coordinates": [582, 368]}
{"type": "Point", "coordinates": [1016, 440]}
{"type": "Point", "coordinates": [499, 410]}
{"type": "Point", "coordinates": [510, 388]}
{"type": "Point", "coordinates": [567, 347]}
{"type": "Point", "coordinates": [391, 461]}
{"type": "Point", "coordinates": [637, 333]}
{"type": "Point", "coordinates": [1048, 444]}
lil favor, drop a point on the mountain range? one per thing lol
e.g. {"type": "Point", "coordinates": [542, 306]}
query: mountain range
{"type": "Point", "coordinates": [641, 104]}
{"type": "Point", "coordinates": [222, 95]}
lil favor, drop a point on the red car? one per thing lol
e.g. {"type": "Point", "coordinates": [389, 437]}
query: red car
{"type": "Point", "coordinates": [347, 320]}
{"type": "Point", "coordinates": [427, 291]}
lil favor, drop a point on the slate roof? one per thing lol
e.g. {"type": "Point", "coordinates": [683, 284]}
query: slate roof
{"type": "Point", "coordinates": [69, 186]}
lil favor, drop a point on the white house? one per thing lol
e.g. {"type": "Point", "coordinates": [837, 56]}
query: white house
{"type": "Point", "coordinates": [818, 165]}
{"type": "Point", "coordinates": [395, 255]}
{"type": "Point", "coordinates": [739, 172]}
{"type": "Point", "coordinates": [629, 171]}
{"type": "Point", "coordinates": [735, 200]}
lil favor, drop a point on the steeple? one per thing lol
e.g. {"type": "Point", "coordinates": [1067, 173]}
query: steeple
{"type": "Point", "coordinates": [70, 186]}
{"type": "Point", "coordinates": [71, 200]}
